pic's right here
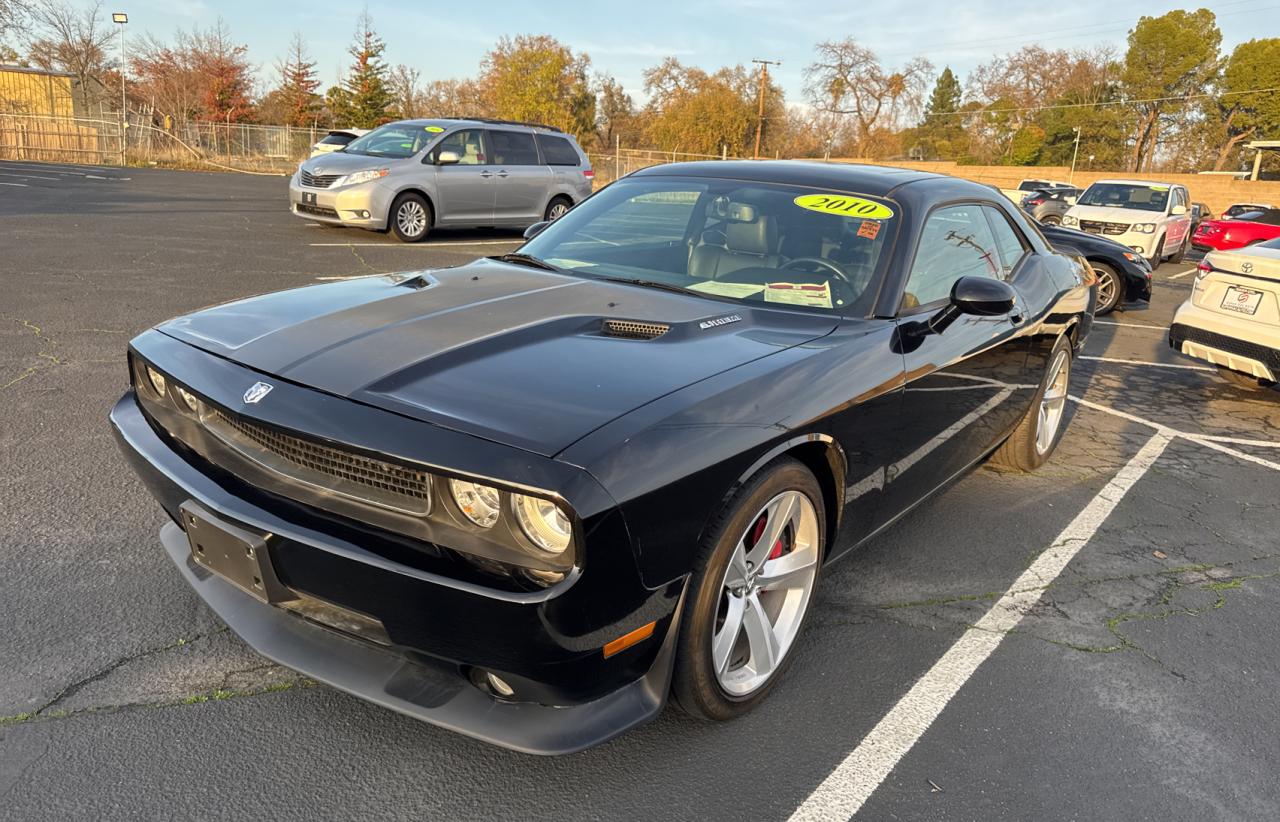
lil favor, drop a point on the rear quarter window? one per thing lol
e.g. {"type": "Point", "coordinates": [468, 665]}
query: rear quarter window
{"type": "Point", "coordinates": [557, 151]}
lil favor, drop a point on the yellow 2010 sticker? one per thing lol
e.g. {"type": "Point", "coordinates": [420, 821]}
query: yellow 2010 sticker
{"type": "Point", "coordinates": [433, 129]}
{"type": "Point", "coordinates": [844, 205]}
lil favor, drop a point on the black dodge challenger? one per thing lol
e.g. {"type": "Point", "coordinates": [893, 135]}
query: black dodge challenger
{"type": "Point", "coordinates": [528, 497]}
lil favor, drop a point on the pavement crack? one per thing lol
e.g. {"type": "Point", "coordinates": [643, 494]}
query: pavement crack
{"type": "Point", "coordinates": [46, 353]}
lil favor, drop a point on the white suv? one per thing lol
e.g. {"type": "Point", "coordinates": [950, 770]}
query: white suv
{"type": "Point", "coordinates": [1152, 218]}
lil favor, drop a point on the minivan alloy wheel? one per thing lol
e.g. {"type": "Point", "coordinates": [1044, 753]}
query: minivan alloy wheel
{"type": "Point", "coordinates": [411, 218]}
{"type": "Point", "coordinates": [557, 210]}
{"type": "Point", "coordinates": [765, 592]}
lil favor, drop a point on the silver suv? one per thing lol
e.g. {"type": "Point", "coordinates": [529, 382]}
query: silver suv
{"type": "Point", "coordinates": [414, 175]}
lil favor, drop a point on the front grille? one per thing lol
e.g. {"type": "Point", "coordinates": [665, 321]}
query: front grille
{"type": "Point", "coordinates": [1269, 357]}
{"type": "Point", "coordinates": [633, 330]}
{"type": "Point", "coordinates": [319, 211]}
{"type": "Point", "coordinates": [334, 469]}
{"type": "Point", "coordinates": [1098, 227]}
{"type": "Point", "coordinates": [317, 180]}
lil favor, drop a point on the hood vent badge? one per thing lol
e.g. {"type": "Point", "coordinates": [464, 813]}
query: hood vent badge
{"type": "Point", "coordinates": [633, 330]}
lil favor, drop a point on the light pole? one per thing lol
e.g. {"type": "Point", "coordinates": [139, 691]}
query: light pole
{"type": "Point", "coordinates": [120, 18]}
{"type": "Point", "coordinates": [1075, 152]}
{"type": "Point", "coordinates": [764, 80]}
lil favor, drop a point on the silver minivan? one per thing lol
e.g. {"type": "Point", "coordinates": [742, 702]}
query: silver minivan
{"type": "Point", "coordinates": [414, 175]}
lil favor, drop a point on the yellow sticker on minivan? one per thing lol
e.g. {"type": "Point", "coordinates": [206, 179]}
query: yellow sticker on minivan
{"type": "Point", "coordinates": [433, 129]}
{"type": "Point", "coordinates": [844, 205]}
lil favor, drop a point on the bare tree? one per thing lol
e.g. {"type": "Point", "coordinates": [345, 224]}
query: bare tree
{"type": "Point", "coordinates": [846, 78]}
{"type": "Point", "coordinates": [406, 91]}
{"type": "Point", "coordinates": [12, 15]}
{"type": "Point", "coordinates": [66, 38]}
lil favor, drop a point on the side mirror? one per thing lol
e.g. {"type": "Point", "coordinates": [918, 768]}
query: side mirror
{"type": "Point", "coordinates": [975, 296]}
{"type": "Point", "coordinates": [535, 229]}
{"type": "Point", "coordinates": [447, 158]}
{"type": "Point", "coordinates": [1178, 210]}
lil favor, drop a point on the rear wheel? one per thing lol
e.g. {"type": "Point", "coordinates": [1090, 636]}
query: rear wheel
{"type": "Point", "coordinates": [1242, 379]}
{"type": "Point", "coordinates": [1034, 440]}
{"type": "Point", "coordinates": [410, 217]}
{"type": "Point", "coordinates": [750, 592]}
{"type": "Point", "coordinates": [557, 208]}
{"type": "Point", "coordinates": [1109, 288]}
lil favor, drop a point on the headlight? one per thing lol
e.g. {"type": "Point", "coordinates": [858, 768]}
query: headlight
{"type": "Point", "coordinates": [479, 503]}
{"type": "Point", "coordinates": [188, 399]}
{"type": "Point", "coordinates": [542, 522]}
{"type": "Point", "coordinates": [156, 379]}
{"type": "Point", "coordinates": [361, 177]}
{"type": "Point", "coordinates": [1069, 220]}
{"type": "Point", "coordinates": [1144, 228]}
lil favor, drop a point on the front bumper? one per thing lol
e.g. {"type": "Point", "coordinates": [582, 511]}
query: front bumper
{"type": "Point", "coordinates": [546, 645]}
{"type": "Point", "coordinates": [360, 206]}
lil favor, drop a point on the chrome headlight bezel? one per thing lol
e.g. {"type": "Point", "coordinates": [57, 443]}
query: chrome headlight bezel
{"type": "Point", "coordinates": [1144, 228]}
{"type": "Point", "coordinates": [358, 177]}
{"type": "Point", "coordinates": [481, 504]}
{"type": "Point", "coordinates": [1069, 220]}
{"type": "Point", "coordinates": [543, 522]}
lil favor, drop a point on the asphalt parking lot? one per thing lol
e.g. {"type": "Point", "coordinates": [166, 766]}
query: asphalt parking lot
{"type": "Point", "coordinates": [1094, 641]}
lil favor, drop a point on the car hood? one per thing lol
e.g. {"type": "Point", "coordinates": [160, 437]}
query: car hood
{"type": "Point", "coordinates": [339, 162]}
{"type": "Point", "coordinates": [1111, 214]}
{"type": "Point", "coordinates": [505, 352]}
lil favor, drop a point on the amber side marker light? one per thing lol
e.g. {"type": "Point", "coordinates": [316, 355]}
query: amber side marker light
{"type": "Point", "coordinates": [625, 641]}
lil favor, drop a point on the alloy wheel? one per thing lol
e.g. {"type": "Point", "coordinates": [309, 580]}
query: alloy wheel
{"type": "Point", "coordinates": [1053, 402]}
{"type": "Point", "coordinates": [411, 218]}
{"type": "Point", "coordinates": [765, 593]}
{"type": "Point", "coordinates": [557, 210]}
{"type": "Point", "coordinates": [1107, 288]}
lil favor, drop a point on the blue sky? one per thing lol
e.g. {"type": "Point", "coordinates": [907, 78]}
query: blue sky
{"type": "Point", "coordinates": [448, 39]}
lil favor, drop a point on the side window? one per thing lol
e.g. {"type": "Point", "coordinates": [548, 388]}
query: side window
{"type": "Point", "coordinates": [469, 145]}
{"type": "Point", "coordinates": [956, 242]}
{"type": "Point", "coordinates": [513, 148]}
{"type": "Point", "coordinates": [557, 151]}
{"type": "Point", "coordinates": [1010, 244]}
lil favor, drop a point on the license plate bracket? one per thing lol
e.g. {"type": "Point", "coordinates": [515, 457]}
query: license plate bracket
{"type": "Point", "coordinates": [1242, 300]}
{"type": "Point", "coordinates": [309, 198]}
{"type": "Point", "coordinates": [237, 554]}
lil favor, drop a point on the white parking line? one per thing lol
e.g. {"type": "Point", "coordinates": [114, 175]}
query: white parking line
{"type": "Point", "coordinates": [16, 185]}
{"type": "Point", "coordinates": [416, 245]}
{"type": "Point", "coordinates": [1143, 363]}
{"type": "Point", "coordinates": [1131, 325]}
{"type": "Point", "coordinates": [853, 781]}
{"type": "Point", "coordinates": [1181, 274]}
{"type": "Point", "coordinates": [28, 176]}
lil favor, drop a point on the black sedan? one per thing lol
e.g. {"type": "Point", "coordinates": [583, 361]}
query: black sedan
{"type": "Point", "coordinates": [1122, 274]}
{"type": "Point", "coordinates": [529, 497]}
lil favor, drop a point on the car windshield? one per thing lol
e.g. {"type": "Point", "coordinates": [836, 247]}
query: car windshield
{"type": "Point", "coordinates": [1126, 195]}
{"type": "Point", "coordinates": [730, 239]}
{"type": "Point", "coordinates": [393, 140]}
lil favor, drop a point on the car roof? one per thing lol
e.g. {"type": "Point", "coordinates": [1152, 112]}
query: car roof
{"type": "Point", "coordinates": [481, 122]}
{"type": "Point", "coordinates": [1139, 183]}
{"type": "Point", "coordinates": [877, 181]}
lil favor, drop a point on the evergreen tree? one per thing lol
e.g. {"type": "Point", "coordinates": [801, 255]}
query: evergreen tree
{"type": "Point", "coordinates": [941, 134]}
{"type": "Point", "coordinates": [365, 98]}
{"type": "Point", "coordinates": [298, 83]}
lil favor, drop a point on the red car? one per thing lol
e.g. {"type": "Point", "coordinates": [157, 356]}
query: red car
{"type": "Point", "coordinates": [1239, 231]}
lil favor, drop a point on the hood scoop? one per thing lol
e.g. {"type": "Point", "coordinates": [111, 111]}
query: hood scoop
{"type": "Point", "coordinates": [633, 329]}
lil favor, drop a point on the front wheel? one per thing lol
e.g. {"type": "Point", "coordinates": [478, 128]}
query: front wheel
{"type": "Point", "coordinates": [750, 592]}
{"type": "Point", "coordinates": [1037, 435]}
{"type": "Point", "coordinates": [1109, 288]}
{"type": "Point", "coordinates": [1157, 254]}
{"type": "Point", "coordinates": [1182, 250]}
{"type": "Point", "coordinates": [410, 217]}
{"type": "Point", "coordinates": [1052, 219]}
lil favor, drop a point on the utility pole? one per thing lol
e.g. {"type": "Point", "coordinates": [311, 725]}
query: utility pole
{"type": "Point", "coordinates": [764, 80]}
{"type": "Point", "coordinates": [120, 19]}
{"type": "Point", "coordinates": [1075, 152]}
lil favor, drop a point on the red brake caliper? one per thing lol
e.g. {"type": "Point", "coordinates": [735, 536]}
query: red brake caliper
{"type": "Point", "coordinates": [758, 531]}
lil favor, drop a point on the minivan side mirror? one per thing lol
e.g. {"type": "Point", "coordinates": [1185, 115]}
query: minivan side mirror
{"type": "Point", "coordinates": [447, 158]}
{"type": "Point", "coordinates": [1178, 210]}
{"type": "Point", "coordinates": [535, 229]}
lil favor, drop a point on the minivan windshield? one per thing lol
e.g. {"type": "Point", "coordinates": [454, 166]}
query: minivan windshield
{"type": "Point", "coordinates": [737, 240]}
{"type": "Point", "coordinates": [1126, 195]}
{"type": "Point", "coordinates": [393, 140]}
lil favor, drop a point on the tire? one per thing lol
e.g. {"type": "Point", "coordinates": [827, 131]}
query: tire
{"type": "Point", "coordinates": [1052, 219]}
{"type": "Point", "coordinates": [1243, 380]}
{"type": "Point", "coordinates": [716, 600]}
{"type": "Point", "coordinates": [410, 218]}
{"type": "Point", "coordinates": [557, 208]}
{"type": "Point", "coordinates": [1026, 449]}
{"type": "Point", "coordinates": [1157, 255]}
{"type": "Point", "coordinates": [1182, 250]}
{"type": "Point", "coordinates": [1110, 288]}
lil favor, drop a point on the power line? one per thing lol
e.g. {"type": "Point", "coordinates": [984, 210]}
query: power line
{"type": "Point", "coordinates": [1183, 97]}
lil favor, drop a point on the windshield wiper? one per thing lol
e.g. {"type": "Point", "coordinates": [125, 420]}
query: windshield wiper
{"type": "Point", "coordinates": [528, 260]}
{"type": "Point", "coordinates": [650, 284]}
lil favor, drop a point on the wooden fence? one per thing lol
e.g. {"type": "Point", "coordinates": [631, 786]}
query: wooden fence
{"type": "Point", "coordinates": [59, 139]}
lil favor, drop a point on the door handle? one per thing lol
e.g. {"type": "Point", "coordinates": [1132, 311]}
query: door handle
{"type": "Point", "coordinates": [502, 173]}
{"type": "Point", "coordinates": [486, 174]}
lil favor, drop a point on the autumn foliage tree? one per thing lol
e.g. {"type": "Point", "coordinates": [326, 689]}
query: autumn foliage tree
{"type": "Point", "coordinates": [691, 110]}
{"type": "Point", "coordinates": [205, 75]}
{"type": "Point", "coordinates": [537, 78]}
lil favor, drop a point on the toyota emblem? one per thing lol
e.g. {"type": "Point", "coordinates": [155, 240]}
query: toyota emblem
{"type": "Point", "coordinates": [1246, 267]}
